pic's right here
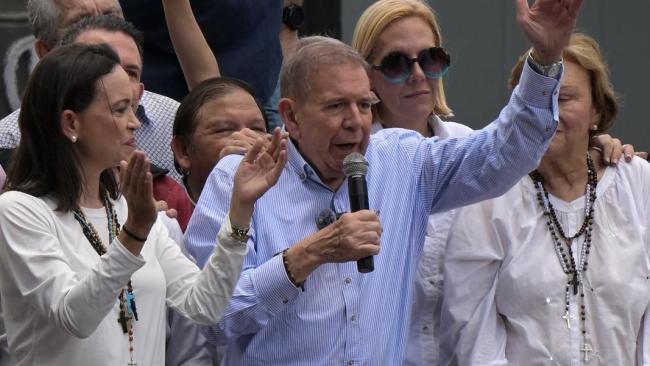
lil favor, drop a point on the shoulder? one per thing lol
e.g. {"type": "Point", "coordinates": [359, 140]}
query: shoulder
{"type": "Point", "coordinates": [11, 118]}
{"type": "Point", "coordinates": [395, 136]}
{"type": "Point", "coordinates": [17, 203]}
{"type": "Point", "coordinates": [9, 132]}
{"type": "Point", "coordinates": [455, 129]}
{"type": "Point", "coordinates": [635, 175]}
{"type": "Point", "coordinates": [157, 104]}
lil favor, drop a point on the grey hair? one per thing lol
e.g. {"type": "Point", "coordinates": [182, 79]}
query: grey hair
{"type": "Point", "coordinates": [45, 19]}
{"type": "Point", "coordinates": [312, 53]}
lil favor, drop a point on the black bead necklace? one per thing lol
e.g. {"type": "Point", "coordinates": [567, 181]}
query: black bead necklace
{"type": "Point", "coordinates": [128, 311]}
{"type": "Point", "coordinates": [575, 273]}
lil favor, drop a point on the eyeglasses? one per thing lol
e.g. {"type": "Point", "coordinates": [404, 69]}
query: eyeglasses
{"type": "Point", "coordinates": [396, 67]}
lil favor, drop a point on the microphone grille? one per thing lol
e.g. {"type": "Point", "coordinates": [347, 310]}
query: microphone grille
{"type": "Point", "coordinates": [355, 164]}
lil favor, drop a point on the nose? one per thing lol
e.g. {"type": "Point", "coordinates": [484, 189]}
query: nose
{"type": "Point", "coordinates": [133, 122]}
{"type": "Point", "coordinates": [417, 73]}
{"type": "Point", "coordinates": [353, 118]}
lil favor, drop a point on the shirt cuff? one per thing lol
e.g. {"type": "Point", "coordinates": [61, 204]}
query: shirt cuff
{"type": "Point", "coordinates": [224, 236]}
{"type": "Point", "coordinates": [125, 256]}
{"type": "Point", "coordinates": [538, 90]}
{"type": "Point", "coordinates": [273, 286]}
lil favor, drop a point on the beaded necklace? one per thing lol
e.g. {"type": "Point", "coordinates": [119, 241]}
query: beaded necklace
{"type": "Point", "coordinates": [128, 310]}
{"type": "Point", "coordinates": [575, 274]}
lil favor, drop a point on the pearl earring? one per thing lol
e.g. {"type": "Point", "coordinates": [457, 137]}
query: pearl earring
{"type": "Point", "coordinates": [73, 138]}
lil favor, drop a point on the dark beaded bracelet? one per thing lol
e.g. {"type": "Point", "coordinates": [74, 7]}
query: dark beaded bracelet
{"type": "Point", "coordinates": [129, 233]}
{"type": "Point", "coordinates": [300, 285]}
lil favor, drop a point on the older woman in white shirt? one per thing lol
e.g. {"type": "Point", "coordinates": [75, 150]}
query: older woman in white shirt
{"type": "Point", "coordinates": [557, 270]}
{"type": "Point", "coordinates": [76, 256]}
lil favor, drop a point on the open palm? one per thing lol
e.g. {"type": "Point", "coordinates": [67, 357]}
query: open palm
{"type": "Point", "coordinates": [548, 25]}
{"type": "Point", "coordinates": [260, 169]}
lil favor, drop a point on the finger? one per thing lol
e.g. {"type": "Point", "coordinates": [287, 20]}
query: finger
{"type": "Point", "coordinates": [279, 166]}
{"type": "Point", "coordinates": [574, 7]}
{"type": "Point", "coordinates": [642, 154]}
{"type": "Point", "coordinates": [122, 171]}
{"type": "Point", "coordinates": [253, 134]}
{"type": "Point", "coordinates": [366, 216]}
{"type": "Point", "coordinates": [247, 139]}
{"type": "Point", "coordinates": [615, 151]}
{"type": "Point", "coordinates": [522, 9]}
{"type": "Point", "coordinates": [628, 152]}
{"type": "Point", "coordinates": [128, 174]}
{"type": "Point", "coordinates": [146, 180]}
{"type": "Point", "coordinates": [233, 150]}
{"type": "Point", "coordinates": [252, 154]}
{"type": "Point", "coordinates": [136, 175]}
{"type": "Point", "coordinates": [161, 206]}
{"type": "Point", "coordinates": [171, 213]}
{"type": "Point", "coordinates": [366, 250]}
{"type": "Point", "coordinates": [275, 143]}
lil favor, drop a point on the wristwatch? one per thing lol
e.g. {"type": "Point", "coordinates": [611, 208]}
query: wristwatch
{"type": "Point", "coordinates": [551, 71]}
{"type": "Point", "coordinates": [239, 234]}
{"type": "Point", "coordinates": [293, 16]}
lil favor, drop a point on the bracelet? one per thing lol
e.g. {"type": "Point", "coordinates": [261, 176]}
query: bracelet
{"type": "Point", "coordinates": [129, 233]}
{"type": "Point", "coordinates": [300, 285]}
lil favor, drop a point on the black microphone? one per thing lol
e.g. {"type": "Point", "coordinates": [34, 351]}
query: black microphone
{"type": "Point", "coordinates": [355, 167]}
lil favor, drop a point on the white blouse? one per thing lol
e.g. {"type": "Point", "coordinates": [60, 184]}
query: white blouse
{"type": "Point", "coordinates": [504, 294]}
{"type": "Point", "coordinates": [59, 298]}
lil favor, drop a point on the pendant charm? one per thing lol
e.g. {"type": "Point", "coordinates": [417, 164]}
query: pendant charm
{"type": "Point", "coordinates": [586, 349]}
{"type": "Point", "coordinates": [130, 304]}
{"type": "Point", "coordinates": [124, 321]}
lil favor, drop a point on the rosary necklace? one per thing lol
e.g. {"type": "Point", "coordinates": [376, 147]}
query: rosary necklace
{"type": "Point", "coordinates": [128, 310]}
{"type": "Point", "coordinates": [575, 273]}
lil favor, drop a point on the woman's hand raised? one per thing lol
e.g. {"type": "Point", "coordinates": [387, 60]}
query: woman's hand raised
{"type": "Point", "coordinates": [137, 188]}
{"type": "Point", "coordinates": [257, 173]}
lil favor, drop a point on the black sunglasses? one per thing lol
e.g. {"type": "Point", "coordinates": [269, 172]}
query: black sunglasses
{"type": "Point", "coordinates": [396, 67]}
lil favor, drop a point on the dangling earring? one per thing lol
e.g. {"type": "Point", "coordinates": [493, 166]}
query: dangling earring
{"type": "Point", "coordinates": [73, 138]}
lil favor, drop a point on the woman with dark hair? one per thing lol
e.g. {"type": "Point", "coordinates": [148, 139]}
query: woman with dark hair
{"type": "Point", "coordinates": [77, 250]}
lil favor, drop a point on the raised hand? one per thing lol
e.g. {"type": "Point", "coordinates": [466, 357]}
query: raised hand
{"type": "Point", "coordinates": [137, 188]}
{"type": "Point", "coordinates": [258, 171]}
{"type": "Point", "coordinates": [548, 25]}
{"type": "Point", "coordinates": [242, 141]}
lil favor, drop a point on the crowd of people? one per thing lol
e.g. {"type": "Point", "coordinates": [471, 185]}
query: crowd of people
{"type": "Point", "coordinates": [136, 229]}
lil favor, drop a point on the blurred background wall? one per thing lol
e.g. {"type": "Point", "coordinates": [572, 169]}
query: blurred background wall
{"type": "Point", "coordinates": [481, 35]}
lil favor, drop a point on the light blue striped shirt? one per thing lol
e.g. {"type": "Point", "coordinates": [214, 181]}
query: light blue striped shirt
{"type": "Point", "coordinates": [344, 317]}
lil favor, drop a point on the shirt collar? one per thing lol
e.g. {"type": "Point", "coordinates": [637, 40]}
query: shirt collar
{"type": "Point", "coordinates": [300, 166]}
{"type": "Point", "coordinates": [141, 114]}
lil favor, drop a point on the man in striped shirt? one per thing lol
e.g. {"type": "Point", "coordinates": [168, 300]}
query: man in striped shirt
{"type": "Point", "coordinates": [300, 299]}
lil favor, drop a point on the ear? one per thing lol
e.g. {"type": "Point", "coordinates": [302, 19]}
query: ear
{"type": "Point", "coordinates": [181, 154]}
{"type": "Point", "coordinates": [595, 118]}
{"type": "Point", "coordinates": [70, 125]}
{"type": "Point", "coordinates": [136, 98]}
{"type": "Point", "coordinates": [41, 48]}
{"type": "Point", "coordinates": [287, 110]}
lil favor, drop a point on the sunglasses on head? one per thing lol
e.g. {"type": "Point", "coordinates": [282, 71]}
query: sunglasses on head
{"type": "Point", "coordinates": [396, 67]}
